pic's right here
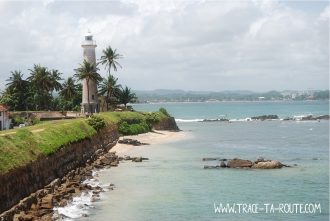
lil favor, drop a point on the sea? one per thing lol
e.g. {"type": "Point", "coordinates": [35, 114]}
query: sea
{"type": "Point", "coordinates": [173, 184]}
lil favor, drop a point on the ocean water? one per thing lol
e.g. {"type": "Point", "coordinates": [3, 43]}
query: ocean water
{"type": "Point", "coordinates": [173, 185]}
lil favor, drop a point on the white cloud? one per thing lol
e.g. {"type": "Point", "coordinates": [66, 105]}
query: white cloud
{"type": "Point", "coordinates": [194, 45]}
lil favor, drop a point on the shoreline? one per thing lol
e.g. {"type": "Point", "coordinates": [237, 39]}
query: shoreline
{"type": "Point", "coordinates": [151, 138]}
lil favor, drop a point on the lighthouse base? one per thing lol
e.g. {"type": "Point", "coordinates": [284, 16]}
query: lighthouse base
{"type": "Point", "coordinates": [90, 108]}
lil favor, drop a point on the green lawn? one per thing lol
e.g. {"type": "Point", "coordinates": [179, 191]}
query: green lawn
{"type": "Point", "coordinates": [20, 146]}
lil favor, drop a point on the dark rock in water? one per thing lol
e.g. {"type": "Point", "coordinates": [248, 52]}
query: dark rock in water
{"type": "Point", "coordinates": [137, 159]}
{"type": "Point", "coordinates": [265, 117]}
{"type": "Point", "coordinates": [239, 163]}
{"type": "Point", "coordinates": [223, 164]}
{"type": "Point", "coordinates": [211, 167]}
{"type": "Point", "coordinates": [214, 158]}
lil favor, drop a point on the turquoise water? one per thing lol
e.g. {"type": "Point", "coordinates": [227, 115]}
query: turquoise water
{"type": "Point", "coordinates": [173, 185]}
{"type": "Point", "coordinates": [239, 109]}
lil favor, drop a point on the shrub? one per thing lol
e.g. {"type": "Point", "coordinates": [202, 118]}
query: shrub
{"type": "Point", "coordinates": [132, 129]}
{"type": "Point", "coordinates": [164, 111]}
{"type": "Point", "coordinates": [96, 122]}
{"type": "Point", "coordinates": [152, 118]}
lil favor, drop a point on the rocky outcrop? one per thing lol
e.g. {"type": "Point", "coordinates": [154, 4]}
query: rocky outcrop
{"type": "Point", "coordinates": [265, 117]}
{"type": "Point", "coordinates": [239, 163]}
{"type": "Point", "coordinates": [167, 124]}
{"type": "Point", "coordinates": [260, 163]}
{"type": "Point", "coordinates": [21, 182]}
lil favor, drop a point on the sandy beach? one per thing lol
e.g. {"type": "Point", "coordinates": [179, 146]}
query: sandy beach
{"type": "Point", "coordinates": [156, 137]}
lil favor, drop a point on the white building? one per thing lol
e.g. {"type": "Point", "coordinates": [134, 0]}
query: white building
{"type": "Point", "coordinates": [4, 117]}
{"type": "Point", "coordinates": [89, 46]}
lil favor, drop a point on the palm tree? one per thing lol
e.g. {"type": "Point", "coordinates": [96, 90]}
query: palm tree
{"type": "Point", "coordinates": [88, 71]}
{"type": "Point", "coordinates": [110, 88]}
{"type": "Point", "coordinates": [126, 96]}
{"type": "Point", "coordinates": [69, 89]}
{"type": "Point", "coordinates": [16, 81]}
{"type": "Point", "coordinates": [54, 76]}
{"type": "Point", "coordinates": [109, 59]}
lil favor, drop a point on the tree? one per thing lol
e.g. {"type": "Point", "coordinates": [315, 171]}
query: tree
{"type": "Point", "coordinates": [109, 59]}
{"type": "Point", "coordinates": [110, 88]}
{"type": "Point", "coordinates": [43, 83]}
{"type": "Point", "coordinates": [126, 96]}
{"type": "Point", "coordinates": [16, 92]}
{"type": "Point", "coordinates": [69, 89]}
{"type": "Point", "coordinates": [88, 71]}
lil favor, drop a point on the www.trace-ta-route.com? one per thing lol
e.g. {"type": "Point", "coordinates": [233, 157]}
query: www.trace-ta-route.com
{"type": "Point", "coordinates": [252, 208]}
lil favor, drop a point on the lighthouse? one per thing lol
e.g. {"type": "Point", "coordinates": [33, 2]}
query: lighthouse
{"type": "Point", "coordinates": [89, 46]}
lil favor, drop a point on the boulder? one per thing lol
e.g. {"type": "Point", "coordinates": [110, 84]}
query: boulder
{"type": "Point", "coordinates": [239, 163]}
{"type": "Point", "coordinates": [223, 164]}
{"type": "Point", "coordinates": [211, 167]}
{"type": "Point", "coordinates": [273, 164]}
{"type": "Point", "coordinates": [137, 159]}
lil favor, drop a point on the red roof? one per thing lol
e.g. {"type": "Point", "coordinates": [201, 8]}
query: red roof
{"type": "Point", "coordinates": [3, 107]}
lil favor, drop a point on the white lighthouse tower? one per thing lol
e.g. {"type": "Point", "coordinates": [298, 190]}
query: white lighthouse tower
{"type": "Point", "coordinates": [89, 46]}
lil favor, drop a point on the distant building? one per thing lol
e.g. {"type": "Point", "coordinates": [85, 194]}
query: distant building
{"type": "Point", "coordinates": [4, 117]}
{"type": "Point", "coordinates": [89, 46]}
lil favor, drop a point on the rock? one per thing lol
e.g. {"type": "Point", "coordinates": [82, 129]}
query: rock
{"type": "Point", "coordinates": [114, 163]}
{"type": "Point", "coordinates": [273, 164]}
{"type": "Point", "coordinates": [127, 158]}
{"type": "Point", "coordinates": [137, 159]}
{"type": "Point", "coordinates": [239, 163]}
{"type": "Point", "coordinates": [223, 164]}
{"type": "Point", "coordinates": [213, 159]}
{"type": "Point", "coordinates": [105, 161]}
{"type": "Point", "coordinates": [211, 167]}
{"type": "Point", "coordinates": [265, 117]}
{"type": "Point", "coordinates": [47, 202]}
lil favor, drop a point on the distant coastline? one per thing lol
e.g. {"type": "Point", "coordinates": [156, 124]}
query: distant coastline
{"type": "Point", "coordinates": [169, 96]}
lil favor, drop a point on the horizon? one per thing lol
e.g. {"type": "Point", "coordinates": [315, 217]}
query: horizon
{"type": "Point", "coordinates": [195, 46]}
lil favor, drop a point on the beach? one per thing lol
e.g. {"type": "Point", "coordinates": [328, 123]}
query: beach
{"type": "Point", "coordinates": [151, 138]}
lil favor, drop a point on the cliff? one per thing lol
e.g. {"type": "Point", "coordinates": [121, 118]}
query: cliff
{"type": "Point", "coordinates": [27, 177]}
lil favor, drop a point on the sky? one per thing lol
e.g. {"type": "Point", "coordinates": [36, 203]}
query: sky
{"type": "Point", "coordinates": [198, 45]}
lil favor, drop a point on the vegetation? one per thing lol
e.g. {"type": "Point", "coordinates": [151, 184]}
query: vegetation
{"type": "Point", "coordinates": [127, 96]}
{"type": "Point", "coordinates": [111, 89]}
{"type": "Point", "coordinates": [96, 122]}
{"type": "Point", "coordinates": [164, 111]}
{"type": "Point", "coordinates": [20, 146]}
{"type": "Point", "coordinates": [88, 71]}
{"type": "Point", "coordinates": [36, 92]}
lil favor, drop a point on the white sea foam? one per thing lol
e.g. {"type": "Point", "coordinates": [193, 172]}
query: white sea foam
{"type": "Point", "coordinates": [80, 205]}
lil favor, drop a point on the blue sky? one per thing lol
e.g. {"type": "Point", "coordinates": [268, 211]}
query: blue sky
{"type": "Point", "coordinates": [198, 45]}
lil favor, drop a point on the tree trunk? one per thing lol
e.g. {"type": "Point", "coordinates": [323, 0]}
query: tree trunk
{"type": "Point", "coordinates": [89, 105]}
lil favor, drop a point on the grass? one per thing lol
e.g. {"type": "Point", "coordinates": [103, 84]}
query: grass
{"type": "Point", "coordinates": [20, 146]}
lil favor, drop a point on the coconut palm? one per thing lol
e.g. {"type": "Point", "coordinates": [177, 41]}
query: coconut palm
{"type": "Point", "coordinates": [109, 59]}
{"type": "Point", "coordinates": [16, 81]}
{"type": "Point", "coordinates": [126, 96]}
{"type": "Point", "coordinates": [54, 76]}
{"type": "Point", "coordinates": [69, 89]}
{"type": "Point", "coordinates": [88, 71]}
{"type": "Point", "coordinates": [110, 88]}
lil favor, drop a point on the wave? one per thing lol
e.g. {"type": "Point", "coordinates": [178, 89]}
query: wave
{"type": "Point", "coordinates": [80, 206]}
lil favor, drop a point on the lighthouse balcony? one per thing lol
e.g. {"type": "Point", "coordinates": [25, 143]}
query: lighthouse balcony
{"type": "Point", "coordinates": [89, 42]}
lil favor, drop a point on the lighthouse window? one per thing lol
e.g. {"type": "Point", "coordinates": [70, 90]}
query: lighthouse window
{"type": "Point", "coordinates": [88, 38]}
{"type": "Point", "coordinates": [92, 96]}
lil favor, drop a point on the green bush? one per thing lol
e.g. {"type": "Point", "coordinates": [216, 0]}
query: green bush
{"type": "Point", "coordinates": [152, 118]}
{"type": "Point", "coordinates": [96, 122]}
{"type": "Point", "coordinates": [164, 111]}
{"type": "Point", "coordinates": [17, 120]}
{"type": "Point", "coordinates": [133, 129]}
